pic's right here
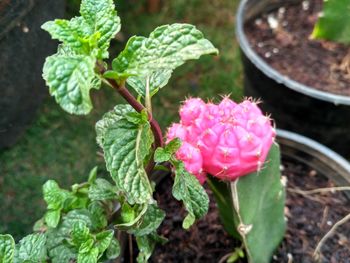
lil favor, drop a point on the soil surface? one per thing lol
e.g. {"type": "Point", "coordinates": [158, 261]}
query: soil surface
{"type": "Point", "coordinates": [282, 39]}
{"type": "Point", "coordinates": [309, 218]}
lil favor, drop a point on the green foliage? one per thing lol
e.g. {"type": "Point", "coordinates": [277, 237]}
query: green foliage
{"type": "Point", "coordinates": [165, 154]}
{"type": "Point", "coordinates": [7, 248]}
{"type": "Point", "coordinates": [259, 200]}
{"type": "Point", "coordinates": [153, 82]}
{"type": "Point", "coordinates": [32, 249]}
{"type": "Point", "coordinates": [77, 224]}
{"type": "Point", "coordinates": [188, 189]}
{"type": "Point", "coordinates": [334, 22]}
{"type": "Point", "coordinates": [146, 246]}
{"type": "Point", "coordinates": [126, 145]}
{"type": "Point", "coordinates": [150, 61]}
{"type": "Point", "coordinates": [70, 80]}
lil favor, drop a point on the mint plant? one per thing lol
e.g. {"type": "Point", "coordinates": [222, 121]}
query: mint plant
{"type": "Point", "coordinates": [234, 143]}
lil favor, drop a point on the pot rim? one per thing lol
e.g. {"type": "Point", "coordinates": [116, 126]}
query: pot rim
{"type": "Point", "coordinates": [322, 153]}
{"type": "Point", "coordinates": [274, 74]}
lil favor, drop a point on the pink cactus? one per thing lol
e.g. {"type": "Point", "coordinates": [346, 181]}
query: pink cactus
{"type": "Point", "coordinates": [228, 140]}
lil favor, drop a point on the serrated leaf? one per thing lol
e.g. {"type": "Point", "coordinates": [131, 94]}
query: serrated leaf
{"type": "Point", "coordinates": [61, 253]}
{"type": "Point", "coordinates": [150, 221]}
{"type": "Point", "coordinates": [165, 154]}
{"type": "Point", "coordinates": [167, 47]}
{"type": "Point", "coordinates": [146, 245]}
{"type": "Point", "coordinates": [52, 218]}
{"type": "Point", "coordinates": [73, 33]}
{"type": "Point", "coordinates": [125, 147]}
{"type": "Point", "coordinates": [32, 248]}
{"type": "Point", "coordinates": [113, 251]}
{"type": "Point", "coordinates": [334, 22]}
{"type": "Point", "coordinates": [102, 17]}
{"type": "Point", "coordinates": [161, 155]}
{"type": "Point", "coordinates": [109, 120]}
{"type": "Point", "coordinates": [7, 248]}
{"type": "Point", "coordinates": [54, 196]}
{"type": "Point", "coordinates": [88, 253]}
{"type": "Point", "coordinates": [259, 200]}
{"type": "Point", "coordinates": [80, 233]}
{"type": "Point", "coordinates": [102, 190]}
{"type": "Point", "coordinates": [98, 216]}
{"type": "Point", "coordinates": [187, 188]}
{"type": "Point", "coordinates": [155, 81]}
{"type": "Point", "coordinates": [103, 240]}
{"type": "Point", "coordinates": [70, 80]}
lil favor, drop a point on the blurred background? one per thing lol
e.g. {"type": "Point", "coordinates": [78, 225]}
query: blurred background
{"type": "Point", "coordinates": [56, 145]}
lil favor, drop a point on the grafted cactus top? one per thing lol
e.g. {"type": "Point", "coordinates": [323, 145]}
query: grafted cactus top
{"type": "Point", "coordinates": [227, 140]}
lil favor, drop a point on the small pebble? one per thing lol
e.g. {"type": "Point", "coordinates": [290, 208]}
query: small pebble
{"type": "Point", "coordinates": [258, 21]}
{"type": "Point", "coordinates": [306, 5]}
{"type": "Point", "coordinates": [25, 29]}
{"type": "Point", "coordinates": [275, 50]}
{"type": "Point", "coordinates": [273, 22]}
{"type": "Point", "coordinates": [313, 173]}
{"type": "Point", "coordinates": [268, 54]}
{"type": "Point", "coordinates": [261, 44]}
{"type": "Point", "coordinates": [281, 12]}
{"type": "Point", "coordinates": [285, 23]}
{"type": "Point", "coordinates": [275, 257]}
{"type": "Point", "coordinates": [282, 168]}
{"type": "Point", "coordinates": [329, 223]}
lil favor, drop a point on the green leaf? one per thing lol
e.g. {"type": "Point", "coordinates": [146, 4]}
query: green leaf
{"type": "Point", "coordinates": [113, 251]}
{"type": "Point", "coordinates": [88, 253]}
{"type": "Point", "coordinates": [102, 190]}
{"type": "Point", "coordinates": [146, 245]}
{"type": "Point", "coordinates": [167, 47]}
{"type": "Point", "coordinates": [32, 248]}
{"type": "Point", "coordinates": [92, 175]}
{"type": "Point", "coordinates": [125, 147]}
{"type": "Point", "coordinates": [54, 196]}
{"type": "Point", "coordinates": [98, 216]}
{"type": "Point", "coordinates": [334, 22]}
{"type": "Point", "coordinates": [130, 216]}
{"type": "Point", "coordinates": [150, 221]}
{"type": "Point", "coordinates": [155, 81]}
{"type": "Point", "coordinates": [102, 17]}
{"type": "Point", "coordinates": [80, 233]}
{"type": "Point", "coordinates": [74, 33]}
{"type": "Point", "coordinates": [259, 200]}
{"type": "Point", "coordinates": [165, 154]}
{"type": "Point", "coordinates": [52, 218]}
{"type": "Point", "coordinates": [61, 253]}
{"type": "Point", "coordinates": [186, 188]}
{"type": "Point", "coordinates": [103, 240]}
{"type": "Point", "coordinates": [70, 79]}
{"type": "Point", "coordinates": [7, 248]}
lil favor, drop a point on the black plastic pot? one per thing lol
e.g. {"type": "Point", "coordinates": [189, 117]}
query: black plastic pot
{"type": "Point", "coordinates": [320, 115]}
{"type": "Point", "coordinates": [23, 48]}
{"type": "Point", "coordinates": [320, 158]}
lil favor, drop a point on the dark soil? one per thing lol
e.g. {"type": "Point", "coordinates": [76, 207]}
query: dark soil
{"type": "Point", "coordinates": [309, 218]}
{"type": "Point", "coordinates": [206, 241]}
{"type": "Point", "coordinates": [285, 44]}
